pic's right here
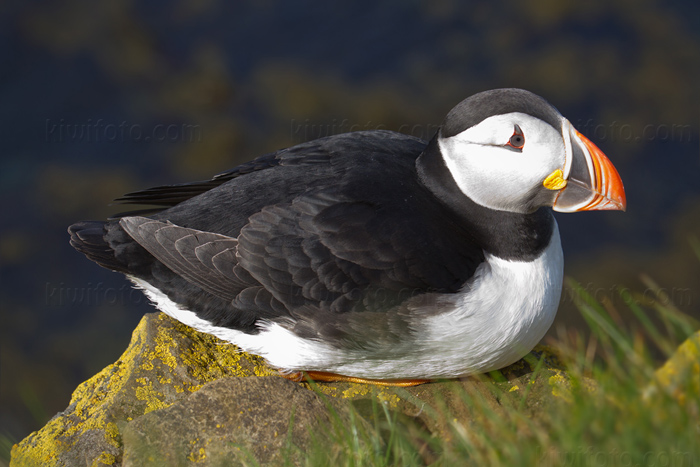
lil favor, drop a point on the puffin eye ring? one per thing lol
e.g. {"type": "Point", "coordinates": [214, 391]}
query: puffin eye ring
{"type": "Point", "coordinates": [517, 141]}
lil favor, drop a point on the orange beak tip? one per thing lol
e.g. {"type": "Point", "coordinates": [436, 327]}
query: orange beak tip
{"type": "Point", "coordinates": [608, 188]}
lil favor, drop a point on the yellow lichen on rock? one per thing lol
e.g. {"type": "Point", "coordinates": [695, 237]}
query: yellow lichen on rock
{"type": "Point", "coordinates": [560, 386]}
{"type": "Point", "coordinates": [198, 456]}
{"type": "Point", "coordinates": [154, 399]}
{"type": "Point", "coordinates": [351, 391]}
{"type": "Point", "coordinates": [83, 414]}
{"type": "Point", "coordinates": [164, 362]}
{"type": "Point", "coordinates": [681, 373]}
{"type": "Point", "coordinates": [226, 359]}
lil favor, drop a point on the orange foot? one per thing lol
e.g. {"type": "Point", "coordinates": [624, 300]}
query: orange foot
{"type": "Point", "coordinates": [299, 376]}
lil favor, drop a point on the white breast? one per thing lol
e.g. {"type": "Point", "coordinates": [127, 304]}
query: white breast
{"type": "Point", "coordinates": [502, 315]}
{"type": "Point", "coordinates": [494, 321]}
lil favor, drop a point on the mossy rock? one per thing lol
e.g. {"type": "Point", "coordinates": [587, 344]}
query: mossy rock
{"type": "Point", "coordinates": [680, 375]}
{"type": "Point", "coordinates": [165, 362]}
{"type": "Point", "coordinates": [179, 396]}
{"type": "Point", "coordinates": [232, 421]}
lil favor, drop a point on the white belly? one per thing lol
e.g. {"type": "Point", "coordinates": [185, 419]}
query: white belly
{"type": "Point", "coordinates": [508, 310]}
{"type": "Point", "coordinates": [494, 321]}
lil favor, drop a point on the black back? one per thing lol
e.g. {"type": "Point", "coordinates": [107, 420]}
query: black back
{"type": "Point", "coordinates": [353, 223]}
{"type": "Point", "coordinates": [337, 225]}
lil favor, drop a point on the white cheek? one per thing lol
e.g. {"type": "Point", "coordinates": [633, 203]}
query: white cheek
{"type": "Point", "coordinates": [495, 176]}
{"type": "Point", "coordinates": [491, 176]}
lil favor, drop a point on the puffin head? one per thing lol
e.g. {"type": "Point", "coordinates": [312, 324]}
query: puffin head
{"type": "Point", "coordinates": [510, 150]}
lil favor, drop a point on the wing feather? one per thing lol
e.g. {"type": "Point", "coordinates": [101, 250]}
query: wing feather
{"type": "Point", "coordinates": [175, 246]}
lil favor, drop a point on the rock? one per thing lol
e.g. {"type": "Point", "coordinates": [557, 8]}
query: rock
{"type": "Point", "coordinates": [247, 420]}
{"type": "Point", "coordinates": [178, 396]}
{"type": "Point", "coordinates": [166, 361]}
{"type": "Point", "coordinates": [680, 375]}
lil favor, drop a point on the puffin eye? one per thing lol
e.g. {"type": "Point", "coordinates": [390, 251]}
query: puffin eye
{"type": "Point", "coordinates": [517, 141]}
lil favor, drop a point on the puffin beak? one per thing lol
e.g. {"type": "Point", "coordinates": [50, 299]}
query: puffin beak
{"type": "Point", "coordinates": [590, 181]}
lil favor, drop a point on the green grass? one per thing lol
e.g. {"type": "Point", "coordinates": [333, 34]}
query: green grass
{"type": "Point", "coordinates": [613, 413]}
{"type": "Point", "coordinates": [6, 443]}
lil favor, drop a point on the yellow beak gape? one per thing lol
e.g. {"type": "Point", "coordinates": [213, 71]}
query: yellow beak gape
{"type": "Point", "coordinates": [554, 181]}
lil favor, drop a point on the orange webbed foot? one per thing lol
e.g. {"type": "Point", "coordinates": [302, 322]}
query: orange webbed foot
{"type": "Point", "coordinates": [322, 376]}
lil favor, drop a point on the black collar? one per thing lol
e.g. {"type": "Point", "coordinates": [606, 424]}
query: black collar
{"type": "Point", "coordinates": [508, 235]}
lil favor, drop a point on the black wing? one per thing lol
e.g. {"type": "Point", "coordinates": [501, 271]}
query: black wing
{"type": "Point", "coordinates": [337, 226]}
{"type": "Point", "coordinates": [171, 195]}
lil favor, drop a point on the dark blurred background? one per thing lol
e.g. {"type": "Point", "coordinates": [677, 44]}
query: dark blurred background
{"type": "Point", "coordinates": [101, 98]}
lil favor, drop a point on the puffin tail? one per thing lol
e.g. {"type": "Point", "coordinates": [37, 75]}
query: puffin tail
{"type": "Point", "coordinates": [91, 238]}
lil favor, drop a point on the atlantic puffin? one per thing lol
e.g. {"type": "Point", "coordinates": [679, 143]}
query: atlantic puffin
{"type": "Point", "coordinates": [373, 255]}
